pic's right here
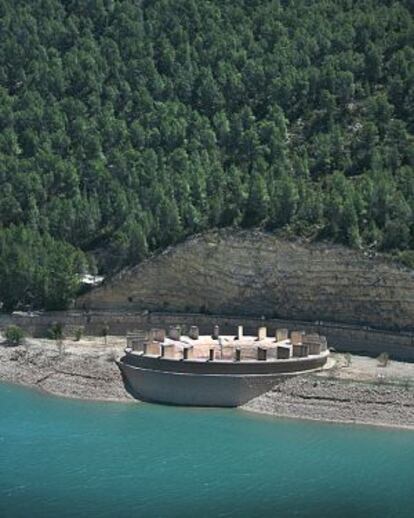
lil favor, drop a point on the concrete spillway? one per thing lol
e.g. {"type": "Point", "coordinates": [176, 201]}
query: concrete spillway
{"type": "Point", "coordinates": [216, 371]}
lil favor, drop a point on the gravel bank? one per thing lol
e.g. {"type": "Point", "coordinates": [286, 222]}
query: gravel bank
{"type": "Point", "coordinates": [357, 392]}
{"type": "Point", "coordinates": [85, 370]}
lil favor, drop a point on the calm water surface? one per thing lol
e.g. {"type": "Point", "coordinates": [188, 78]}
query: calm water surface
{"type": "Point", "coordinates": [70, 458]}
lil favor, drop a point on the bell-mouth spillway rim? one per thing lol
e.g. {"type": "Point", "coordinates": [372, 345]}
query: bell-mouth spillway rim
{"type": "Point", "coordinates": [283, 346]}
{"type": "Point", "coordinates": [220, 375]}
{"type": "Point", "coordinates": [225, 361]}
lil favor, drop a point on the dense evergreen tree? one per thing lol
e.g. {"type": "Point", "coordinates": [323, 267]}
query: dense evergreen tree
{"type": "Point", "coordinates": [125, 126]}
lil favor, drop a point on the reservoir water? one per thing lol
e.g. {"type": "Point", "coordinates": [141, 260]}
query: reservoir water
{"type": "Point", "coordinates": [68, 458]}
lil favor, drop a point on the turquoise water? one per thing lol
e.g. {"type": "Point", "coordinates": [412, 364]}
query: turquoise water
{"type": "Point", "coordinates": [70, 458]}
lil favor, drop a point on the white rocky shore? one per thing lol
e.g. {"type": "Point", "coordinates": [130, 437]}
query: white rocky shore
{"type": "Point", "coordinates": [354, 389]}
{"type": "Point", "coordinates": [84, 369]}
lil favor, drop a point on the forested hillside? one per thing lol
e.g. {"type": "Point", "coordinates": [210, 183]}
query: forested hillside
{"type": "Point", "coordinates": [127, 125]}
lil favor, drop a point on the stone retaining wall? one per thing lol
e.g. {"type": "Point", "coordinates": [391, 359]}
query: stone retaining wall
{"type": "Point", "coordinates": [347, 338]}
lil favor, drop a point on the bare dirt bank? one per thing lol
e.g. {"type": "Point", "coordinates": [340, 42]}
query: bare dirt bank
{"type": "Point", "coordinates": [354, 390]}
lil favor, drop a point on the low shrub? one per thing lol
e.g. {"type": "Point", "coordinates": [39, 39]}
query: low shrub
{"type": "Point", "coordinates": [14, 335]}
{"type": "Point", "coordinates": [55, 331]}
{"type": "Point", "coordinates": [78, 334]}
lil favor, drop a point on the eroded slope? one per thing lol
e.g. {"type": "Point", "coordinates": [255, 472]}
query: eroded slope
{"type": "Point", "coordinates": [252, 273]}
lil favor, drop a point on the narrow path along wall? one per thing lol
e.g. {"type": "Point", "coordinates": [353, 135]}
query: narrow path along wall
{"type": "Point", "coordinates": [253, 273]}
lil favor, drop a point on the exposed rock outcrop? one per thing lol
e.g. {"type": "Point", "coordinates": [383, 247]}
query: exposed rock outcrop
{"type": "Point", "coordinates": [253, 273]}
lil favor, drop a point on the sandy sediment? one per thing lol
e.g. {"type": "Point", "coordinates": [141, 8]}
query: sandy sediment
{"type": "Point", "coordinates": [353, 390]}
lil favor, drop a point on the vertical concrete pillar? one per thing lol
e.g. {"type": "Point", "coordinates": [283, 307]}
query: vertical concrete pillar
{"type": "Point", "coordinates": [144, 348]}
{"type": "Point", "coordinates": [194, 333]}
{"type": "Point", "coordinates": [300, 351]}
{"type": "Point", "coordinates": [283, 353]}
{"type": "Point", "coordinates": [296, 337]}
{"type": "Point", "coordinates": [174, 332]}
{"type": "Point", "coordinates": [216, 332]}
{"type": "Point", "coordinates": [262, 333]}
{"type": "Point", "coordinates": [239, 332]}
{"type": "Point", "coordinates": [313, 342]}
{"type": "Point", "coordinates": [261, 354]}
{"type": "Point", "coordinates": [281, 335]}
{"type": "Point", "coordinates": [158, 335]}
{"type": "Point", "coordinates": [136, 340]}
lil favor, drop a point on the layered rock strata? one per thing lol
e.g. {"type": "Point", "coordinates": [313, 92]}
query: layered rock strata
{"type": "Point", "coordinates": [253, 273]}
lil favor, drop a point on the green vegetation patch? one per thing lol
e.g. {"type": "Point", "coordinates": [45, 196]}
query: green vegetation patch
{"type": "Point", "coordinates": [126, 126]}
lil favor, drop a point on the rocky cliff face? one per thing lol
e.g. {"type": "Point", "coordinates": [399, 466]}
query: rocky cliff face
{"type": "Point", "coordinates": [252, 273]}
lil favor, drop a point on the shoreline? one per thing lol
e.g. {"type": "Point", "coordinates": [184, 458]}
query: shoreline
{"type": "Point", "coordinates": [375, 424]}
{"type": "Point", "coordinates": [84, 370]}
{"type": "Point", "coordinates": [355, 391]}
{"type": "Point", "coordinates": [251, 411]}
{"type": "Point", "coordinates": [49, 393]}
